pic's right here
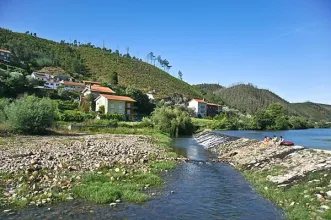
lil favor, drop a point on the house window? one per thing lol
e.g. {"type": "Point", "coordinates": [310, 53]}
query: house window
{"type": "Point", "coordinates": [128, 112]}
{"type": "Point", "coordinates": [128, 105]}
{"type": "Point", "coordinates": [2, 53]}
{"type": "Point", "coordinates": [112, 107]}
{"type": "Point", "coordinates": [120, 106]}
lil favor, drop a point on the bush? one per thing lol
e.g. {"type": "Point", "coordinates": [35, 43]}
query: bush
{"type": "Point", "coordinates": [67, 105]}
{"type": "Point", "coordinates": [30, 115]}
{"type": "Point", "coordinates": [109, 116]}
{"type": "Point", "coordinates": [3, 104]}
{"type": "Point", "coordinates": [72, 115]}
{"type": "Point", "coordinates": [172, 120]}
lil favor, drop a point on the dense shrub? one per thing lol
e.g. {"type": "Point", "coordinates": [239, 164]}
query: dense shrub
{"type": "Point", "coordinates": [67, 105]}
{"type": "Point", "coordinates": [30, 115]}
{"type": "Point", "coordinates": [172, 120]}
{"type": "Point", "coordinates": [109, 116]}
{"type": "Point", "coordinates": [72, 115]}
{"type": "Point", "coordinates": [3, 104]}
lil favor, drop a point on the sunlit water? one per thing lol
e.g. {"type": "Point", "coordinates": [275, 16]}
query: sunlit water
{"type": "Point", "coordinates": [310, 138]}
{"type": "Point", "coordinates": [201, 190]}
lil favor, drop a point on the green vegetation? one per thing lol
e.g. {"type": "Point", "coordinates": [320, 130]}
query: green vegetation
{"type": "Point", "coordinates": [275, 117]}
{"type": "Point", "coordinates": [90, 62]}
{"type": "Point", "coordinates": [30, 115]}
{"type": "Point", "coordinates": [299, 200]}
{"type": "Point", "coordinates": [250, 99]}
{"type": "Point", "coordinates": [172, 120]}
{"type": "Point", "coordinates": [121, 183]}
{"type": "Point", "coordinates": [14, 83]}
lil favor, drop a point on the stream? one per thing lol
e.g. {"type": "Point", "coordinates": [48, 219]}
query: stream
{"type": "Point", "coordinates": [194, 190]}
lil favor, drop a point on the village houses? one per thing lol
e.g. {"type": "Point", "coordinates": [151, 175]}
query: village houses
{"type": "Point", "coordinates": [5, 55]}
{"type": "Point", "coordinates": [203, 109]}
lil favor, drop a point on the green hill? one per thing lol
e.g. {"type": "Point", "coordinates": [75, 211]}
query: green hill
{"type": "Point", "coordinates": [85, 61]}
{"type": "Point", "coordinates": [312, 110]}
{"type": "Point", "coordinates": [249, 99]}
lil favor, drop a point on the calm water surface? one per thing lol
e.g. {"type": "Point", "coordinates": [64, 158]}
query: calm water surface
{"type": "Point", "coordinates": [202, 190]}
{"type": "Point", "coordinates": [311, 138]}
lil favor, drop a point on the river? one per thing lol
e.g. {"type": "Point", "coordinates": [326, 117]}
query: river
{"type": "Point", "coordinates": [310, 138]}
{"type": "Point", "coordinates": [194, 190]}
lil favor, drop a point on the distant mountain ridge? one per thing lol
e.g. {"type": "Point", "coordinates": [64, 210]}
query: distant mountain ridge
{"type": "Point", "coordinates": [248, 99]}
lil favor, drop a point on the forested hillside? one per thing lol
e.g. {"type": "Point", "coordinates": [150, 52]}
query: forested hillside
{"type": "Point", "coordinates": [85, 61]}
{"type": "Point", "coordinates": [313, 110]}
{"type": "Point", "coordinates": [249, 99]}
{"type": "Point", "coordinates": [208, 91]}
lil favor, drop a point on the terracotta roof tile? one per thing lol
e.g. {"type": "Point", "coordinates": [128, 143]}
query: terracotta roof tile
{"type": "Point", "coordinates": [213, 104]}
{"type": "Point", "coordinates": [101, 89]}
{"type": "Point", "coordinates": [91, 82]}
{"type": "Point", "coordinates": [69, 83]}
{"type": "Point", "coordinates": [119, 98]}
{"type": "Point", "coordinates": [6, 51]}
{"type": "Point", "coordinates": [200, 100]}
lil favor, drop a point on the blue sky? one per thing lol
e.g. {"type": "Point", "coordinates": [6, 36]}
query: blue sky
{"type": "Point", "coordinates": [281, 45]}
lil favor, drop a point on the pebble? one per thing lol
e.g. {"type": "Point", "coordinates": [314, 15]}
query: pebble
{"type": "Point", "coordinates": [112, 204]}
{"type": "Point", "coordinates": [118, 201]}
{"type": "Point", "coordinates": [325, 207]}
{"type": "Point", "coordinates": [328, 194]}
{"type": "Point", "coordinates": [6, 210]}
{"type": "Point", "coordinates": [319, 196]}
{"type": "Point", "coordinates": [70, 198]}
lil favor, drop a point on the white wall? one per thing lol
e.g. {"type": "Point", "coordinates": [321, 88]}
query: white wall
{"type": "Point", "coordinates": [198, 107]}
{"type": "Point", "coordinates": [101, 101]}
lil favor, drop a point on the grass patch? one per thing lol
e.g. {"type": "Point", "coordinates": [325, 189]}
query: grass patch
{"type": "Point", "coordinates": [98, 192]}
{"type": "Point", "coordinates": [110, 186]}
{"type": "Point", "coordinates": [299, 200]}
{"type": "Point", "coordinates": [160, 166]}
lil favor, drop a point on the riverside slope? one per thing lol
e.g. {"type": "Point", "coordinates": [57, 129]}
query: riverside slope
{"type": "Point", "coordinates": [243, 153]}
{"type": "Point", "coordinates": [295, 178]}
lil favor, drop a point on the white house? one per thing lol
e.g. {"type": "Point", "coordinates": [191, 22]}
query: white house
{"type": "Point", "coordinates": [69, 85]}
{"type": "Point", "coordinates": [40, 76]}
{"type": "Point", "coordinates": [199, 106]}
{"type": "Point", "coordinates": [116, 105]}
{"type": "Point", "coordinates": [52, 84]}
{"type": "Point", "coordinates": [96, 90]}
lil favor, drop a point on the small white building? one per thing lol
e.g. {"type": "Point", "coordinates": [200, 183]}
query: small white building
{"type": "Point", "coordinates": [199, 106]}
{"type": "Point", "coordinates": [70, 85]}
{"type": "Point", "coordinates": [116, 105]}
{"type": "Point", "coordinates": [52, 84]}
{"type": "Point", "coordinates": [40, 76]}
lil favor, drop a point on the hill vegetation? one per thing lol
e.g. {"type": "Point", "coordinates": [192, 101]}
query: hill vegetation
{"type": "Point", "coordinates": [85, 61]}
{"type": "Point", "coordinates": [249, 99]}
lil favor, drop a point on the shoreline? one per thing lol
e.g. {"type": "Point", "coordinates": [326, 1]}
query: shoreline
{"type": "Point", "coordinates": [295, 178]}
{"type": "Point", "coordinates": [102, 168]}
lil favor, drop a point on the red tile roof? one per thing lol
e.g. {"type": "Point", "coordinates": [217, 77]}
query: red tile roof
{"type": "Point", "coordinates": [91, 82]}
{"type": "Point", "coordinates": [200, 100]}
{"type": "Point", "coordinates": [118, 98]}
{"type": "Point", "coordinates": [101, 89]}
{"type": "Point", "coordinates": [69, 83]}
{"type": "Point", "coordinates": [213, 104]}
{"type": "Point", "coordinates": [6, 51]}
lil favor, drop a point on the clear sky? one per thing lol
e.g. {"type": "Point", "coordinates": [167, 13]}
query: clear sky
{"type": "Point", "coordinates": [282, 45]}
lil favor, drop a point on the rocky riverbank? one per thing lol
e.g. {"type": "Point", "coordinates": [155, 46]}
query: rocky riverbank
{"type": "Point", "coordinates": [41, 170]}
{"type": "Point", "coordinates": [282, 167]}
